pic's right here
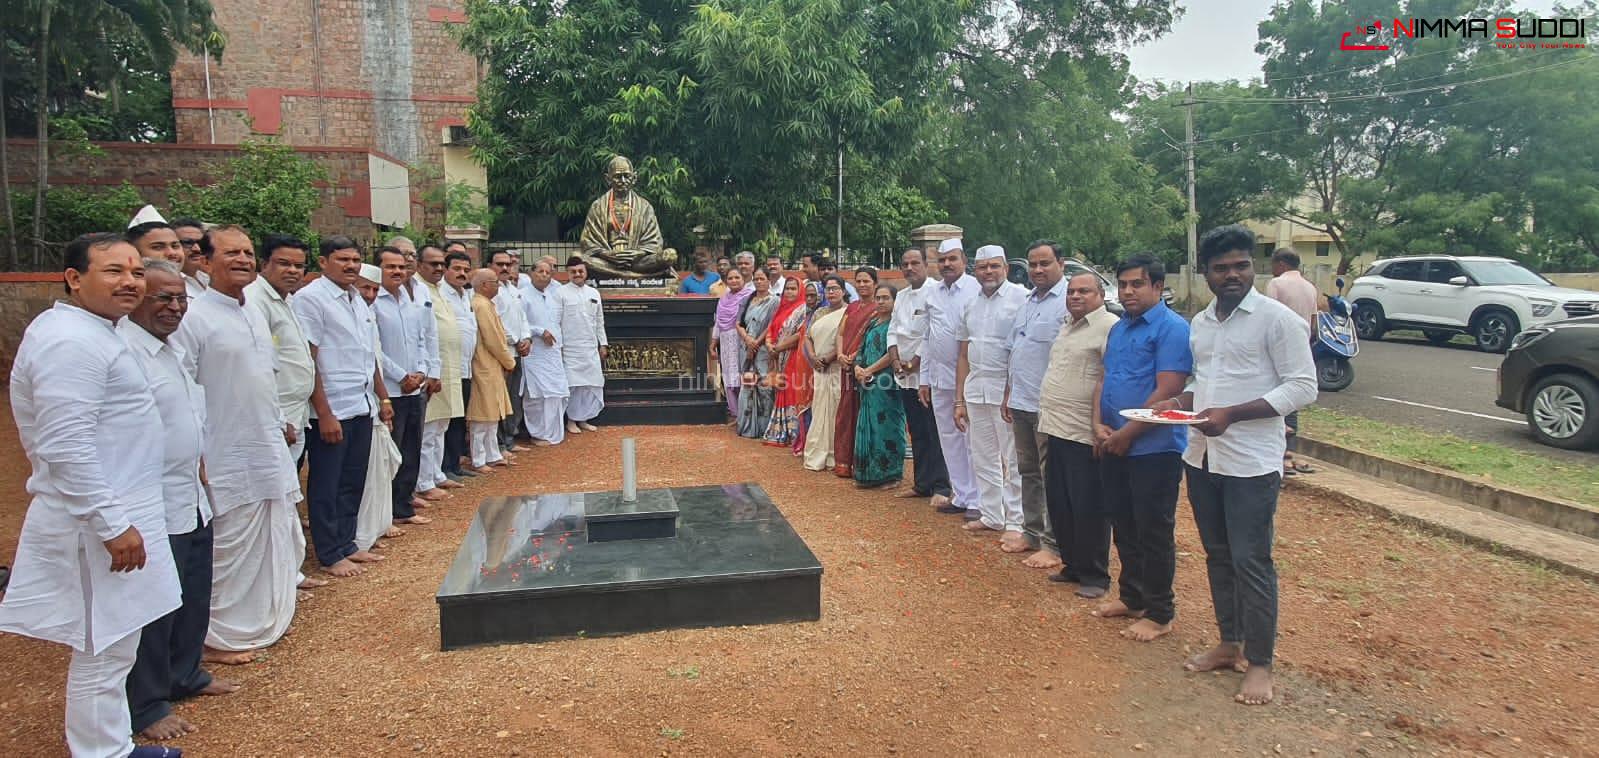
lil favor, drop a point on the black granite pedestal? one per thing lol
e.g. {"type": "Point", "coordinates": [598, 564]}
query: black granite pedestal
{"type": "Point", "coordinates": [655, 364]}
{"type": "Point", "coordinates": [531, 568]}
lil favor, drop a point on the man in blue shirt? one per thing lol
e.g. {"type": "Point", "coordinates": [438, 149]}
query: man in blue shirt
{"type": "Point", "coordinates": [699, 282]}
{"type": "Point", "coordinates": [1147, 360]}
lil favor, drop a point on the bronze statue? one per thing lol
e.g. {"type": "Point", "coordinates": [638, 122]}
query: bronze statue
{"type": "Point", "coordinates": [621, 237]}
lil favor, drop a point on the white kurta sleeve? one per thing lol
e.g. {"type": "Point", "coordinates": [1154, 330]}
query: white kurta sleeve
{"type": "Point", "coordinates": [69, 398]}
{"type": "Point", "coordinates": [430, 340]}
{"type": "Point", "coordinates": [599, 318]}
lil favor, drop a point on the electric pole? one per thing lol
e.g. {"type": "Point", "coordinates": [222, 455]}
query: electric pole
{"type": "Point", "coordinates": [1193, 211]}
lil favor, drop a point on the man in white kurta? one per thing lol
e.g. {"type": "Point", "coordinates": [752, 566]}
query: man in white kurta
{"type": "Point", "coordinates": [92, 565]}
{"type": "Point", "coordinates": [946, 304]}
{"type": "Point", "coordinates": [445, 403]}
{"type": "Point", "coordinates": [981, 370]}
{"type": "Point", "coordinates": [170, 648]}
{"type": "Point", "coordinates": [228, 349]}
{"type": "Point", "coordinates": [582, 327]}
{"type": "Point", "coordinates": [457, 269]}
{"type": "Point", "coordinates": [544, 388]}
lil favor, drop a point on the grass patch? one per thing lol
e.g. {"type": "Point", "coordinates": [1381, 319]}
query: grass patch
{"type": "Point", "coordinates": [1576, 482]}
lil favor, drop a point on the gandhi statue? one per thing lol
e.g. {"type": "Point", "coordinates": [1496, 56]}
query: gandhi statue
{"type": "Point", "coordinates": [621, 237]}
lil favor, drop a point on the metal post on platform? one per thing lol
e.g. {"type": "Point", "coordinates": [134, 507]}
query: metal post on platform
{"type": "Point", "coordinates": [629, 471]}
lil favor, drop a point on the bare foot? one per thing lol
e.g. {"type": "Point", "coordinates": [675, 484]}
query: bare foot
{"type": "Point", "coordinates": [1013, 542]}
{"type": "Point", "coordinates": [366, 556]}
{"type": "Point", "coordinates": [418, 520]}
{"type": "Point", "coordinates": [420, 504]}
{"type": "Point", "coordinates": [301, 596]}
{"type": "Point", "coordinates": [571, 428]}
{"type": "Point", "coordinates": [542, 443]}
{"type": "Point", "coordinates": [482, 470]}
{"type": "Point", "coordinates": [311, 583]}
{"type": "Point", "coordinates": [169, 728]}
{"type": "Point", "coordinates": [587, 427]}
{"type": "Point", "coordinates": [434, 495]}
{"type": "Point", "coordinates": [1223, 656]}
{"type": "Point", "coordinates": [1043, 559]}
{"type": "Point", "coordinates": [220, 687]}
{"type": "Point", "coordinates": [227, 657]}
{"type": "Point", "coordinates": [1256, 689]}
{"type": "Point", "coordinates": [450, 484]}
{"type": "Point", "coordinates": [501, 463]}
{"type": "Point", "coordinates": [1113, 608]}
{"type": "Point", "coordinates": [344, 568]}
{"type": "Point", "coordinates": [1146, 630]}
{"type": "Point", "coordinates": [394, 531]}
{"type": "Point", "coordinates": [977, 526]}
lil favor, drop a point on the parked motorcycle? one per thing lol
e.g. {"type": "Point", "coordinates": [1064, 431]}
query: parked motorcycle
{"type": "Point", "coordinates": [1335, 343]}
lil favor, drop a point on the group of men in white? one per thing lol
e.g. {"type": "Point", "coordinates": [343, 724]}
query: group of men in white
{"type": "Point", "coordinates": [1036, 415]}
{"type": "Point", "coordinates": [166, 407]}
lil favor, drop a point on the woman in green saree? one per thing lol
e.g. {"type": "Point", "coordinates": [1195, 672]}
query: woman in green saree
{"type": "Point", "coordinates": [879, 455]}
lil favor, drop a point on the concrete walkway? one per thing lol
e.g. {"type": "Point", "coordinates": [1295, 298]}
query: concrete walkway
{"type": "Point", "coordinates": [1560, 550]}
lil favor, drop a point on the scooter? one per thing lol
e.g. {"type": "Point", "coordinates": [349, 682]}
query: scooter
{"type": "Point", "coordinates": [1335, 343]}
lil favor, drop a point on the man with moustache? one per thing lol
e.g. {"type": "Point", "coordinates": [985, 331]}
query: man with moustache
{"type": "Point", "coordinates": [512, 309]}
{"type": "Point", "coordinates": [196, 257]}
{"type": "Point", "coordinates": [409, 368]}
{"type": "Point", "coordinates": [91, 567]}
{"type": "Point", "coordinates": [1252, 367]}
{"type": "Point", "coordinates": [906, 331]}
{"type": "Point", "coordinates": [228, 349]}
{"type": "Point", "coordinates": [582, 329]}
{"type": "Point", "coordinates": [1032, 334]}
{"type": "Point", "coordinates": [982, 363]}
{"type": "Point", "coordinates": [946, 306]}
{"type": "Point", "coordinates": [444, 400]}
{"type": "Point", "coordinates": [170, 648]}
{"type": "Point", "coordinates": [544, 390]}
{"type": "Point", "coordinates": [457, 271]}
{"type": "Point", "coordinates": [343, 337]}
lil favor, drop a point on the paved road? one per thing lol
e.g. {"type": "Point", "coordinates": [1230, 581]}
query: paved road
{"type": "Point", "coordinates": [1449, 388]}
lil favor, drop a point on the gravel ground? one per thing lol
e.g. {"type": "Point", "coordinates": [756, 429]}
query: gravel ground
{"type": "Point", "coordinates": [931, 642]}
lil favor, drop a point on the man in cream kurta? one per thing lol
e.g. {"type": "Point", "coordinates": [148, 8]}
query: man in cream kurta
{"type": "Point", "coordinates": [582, 325]}
{"type": "Point", "coordinates": [544, 388]}
{"type": "Point", "coordinates": [92, 566]}
{"type": "Point", "coordinates": [228, 349]}
{"type": "Point", "coordinates": [446, 403]}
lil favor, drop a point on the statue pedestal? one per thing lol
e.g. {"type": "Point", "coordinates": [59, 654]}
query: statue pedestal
{"type": "Point", "coordinates": [655, 369]}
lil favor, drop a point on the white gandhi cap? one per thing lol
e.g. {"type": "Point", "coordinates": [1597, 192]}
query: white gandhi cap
{"type": "Point", "coordinates": [953, 243]}
{"type": "Point", "coordinates": [371, 273]}
{"type": "Point", "coordinates": [146, 215]}
{"type": "Point", "coordinates": [990, 251]}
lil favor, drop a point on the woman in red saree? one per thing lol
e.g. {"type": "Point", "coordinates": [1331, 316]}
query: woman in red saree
{"type": "Point", "coordinates": [790, 372]}
{"type": "Point", "coordinates": [857, 316]}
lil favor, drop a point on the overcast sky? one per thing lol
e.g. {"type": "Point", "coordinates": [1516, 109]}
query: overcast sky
{"type": "Point", "coordinates": [1216, 39]}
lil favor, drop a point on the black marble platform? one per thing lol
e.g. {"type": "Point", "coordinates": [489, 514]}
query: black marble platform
{"type": "Point", "coordinates": [528, 570]}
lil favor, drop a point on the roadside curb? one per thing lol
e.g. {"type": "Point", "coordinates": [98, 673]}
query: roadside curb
{"type": "Point", "coordinates": [1550, 512]}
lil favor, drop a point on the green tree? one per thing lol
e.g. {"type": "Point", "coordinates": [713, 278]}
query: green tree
{"type": "Point", "coordinates": [269, 189]}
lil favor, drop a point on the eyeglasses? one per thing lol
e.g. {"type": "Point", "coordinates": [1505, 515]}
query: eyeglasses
{"type": "Point", "coordinates": [189, 243]}
{"type": "Point", "coordinates": [166, 301]}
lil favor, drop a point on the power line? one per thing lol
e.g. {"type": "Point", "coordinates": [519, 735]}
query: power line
{"type": "Point", "coordinates": [1325, 98]}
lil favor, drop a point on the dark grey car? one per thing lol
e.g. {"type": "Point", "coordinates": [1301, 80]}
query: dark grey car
{"type": "Point", "coordinates": [1551, 374]}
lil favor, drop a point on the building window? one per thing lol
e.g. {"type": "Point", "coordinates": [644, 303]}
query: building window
{"type": "Point", "coordinates": [1323, 249]}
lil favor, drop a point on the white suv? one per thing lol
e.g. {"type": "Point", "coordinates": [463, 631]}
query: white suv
{"type": "Point", "coordinates": [1491, 299]}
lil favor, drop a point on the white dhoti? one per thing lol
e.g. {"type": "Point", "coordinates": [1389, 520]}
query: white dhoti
{"type": "Point", "coordinates": [993, 460]}
{"type": "Point", "coordinates": [586, 403]}
{"type": "Point", "coordinates": [485, 443]}
{"type": "Point", "coordinates": [377, 495]}
{"type": "Point", "coordinates": [542, 417]}
{"type": "Point", "coordinates": [957, 456]}
{"type": "Point", "coordinates": [431, 473]}
{"type": "Point", "coordinates": [253, 578]}
{"type": "Point", "coordinates": [98, 722]}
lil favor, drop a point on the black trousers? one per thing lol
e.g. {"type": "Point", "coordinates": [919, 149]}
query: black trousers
{"type": "Point", "coordinates": [932, 478]}
{"type": "Point", "coordinates": [511, 426]}
{"type": "Point", "coordinates": [334, 484]}
{"type": "Point", "coordinates": [168, 664]}
{"type": "Point", "coordinates": [1141, 496]}
{"type": "Point", "coordinates": [1235, 518]}
{"type": "Point", "coordinates": [455, 440]}
{"type": "Point", "coordinates": [408, 414]}
{"type": "Point", "coordinates": [1077, 512]}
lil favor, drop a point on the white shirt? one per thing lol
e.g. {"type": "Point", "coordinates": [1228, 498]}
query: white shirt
{"type": "Point", "coordinates": [194, 285]}
{"type": "Point", "coordinates": [583, 329]}
{"type": "Point", "coordinates": [1031, 337]}
{"type": "Point", "coordinates": [228, 349]}
{"type": "Point", "coordinates": [1262, 350]}
{"type": "Point", "coordinates": [89, 426]}
{"type": "Point", "coordinates": [296, 376]}
{"type": "Point", "coordinates": [464, 320]}
{"type": "Point", "coordinates": [544, 369]}
{"type": "Point", "coordinates": [908, 327]}
{"type": "Point", "coordinates": [407, 330]}
{"type": "Point", "coordinates": [985, 328]}
{"type": "Point", "coordinates": [341, 327]}
{"type": "Point", "coordinates": [181, 404]}
{"type": "Point", "coordinates": [946, 304]}
{"type": "Point", "coordinates": [778, 282]}
{"type": "Point", "coordinates": [513, 313]}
